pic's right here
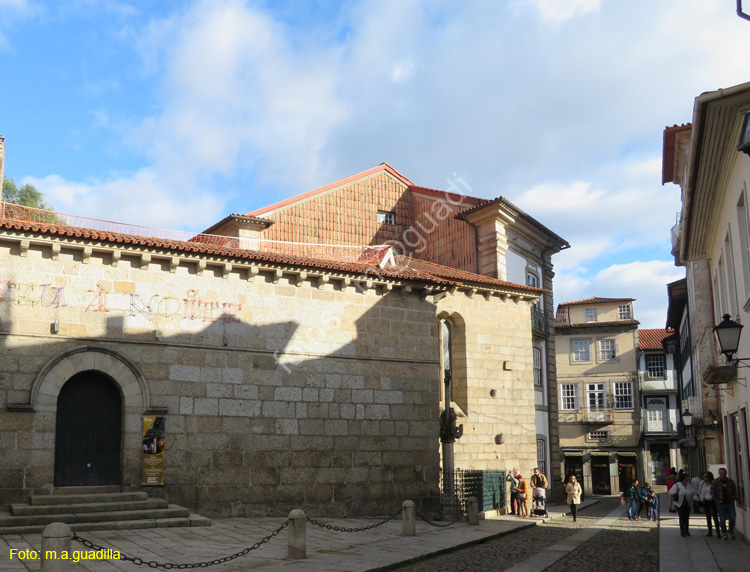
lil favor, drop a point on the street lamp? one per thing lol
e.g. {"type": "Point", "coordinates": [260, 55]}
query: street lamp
{"type": "Point", "coordinates": [687, 418]}
{"type": "Point", "coordinates": [728, 334]}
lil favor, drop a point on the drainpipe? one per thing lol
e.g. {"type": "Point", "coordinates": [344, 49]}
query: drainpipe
{"type": "Point", "coordinates": [2, 166]}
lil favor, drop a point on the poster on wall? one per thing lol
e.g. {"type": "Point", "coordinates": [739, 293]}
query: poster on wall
{"type": "Point", "coordinates": [152, 471]}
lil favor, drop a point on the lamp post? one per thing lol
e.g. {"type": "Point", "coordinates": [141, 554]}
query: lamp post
{"type": "Point", "coordinates": [728, 333]}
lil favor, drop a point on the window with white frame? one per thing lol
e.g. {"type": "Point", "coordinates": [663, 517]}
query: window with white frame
{"type": "Point", "coordinates": [581, 350]}
{"type": "Point", "coordinates": [623, 395]}
{"type": "Point", "coordinates": [655, 366]}
{"type": "Point", "coordinates": [385, 217]}
{"type": "Point", "coordinates": [624, 312]}
{"type": "Point", "coordinates": [569, 396]}
{"type": "Point", "coordinates": [541, 455]}
{"type": "Point", "coordinates": [598, 436]}
{"type": "Point", "coordinates": [537, 367]}
{"type": "Point", "coordinates": [532, 280]}
{"type": "Point", "coordinates": [731, 275]}
{"type": "Point", "coordinates": [591, 314]}
{"type": "Point", "coordinates": [607, 350]}
{"type": "Point", "coordinates": [743, 225]}
{"type": "Point", "coordinates": [597, 395]}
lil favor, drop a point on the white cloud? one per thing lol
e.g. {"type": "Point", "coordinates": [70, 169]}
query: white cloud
{"type": "Point", "coordinates": [142, 198]}
{"type": "Point", "coordinates": [643, 280]}
{"type": "Point", "coordinates": [560, 10]}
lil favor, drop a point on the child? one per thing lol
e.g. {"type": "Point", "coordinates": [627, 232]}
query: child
{"type": "Point", "coordinates": [652, 505]}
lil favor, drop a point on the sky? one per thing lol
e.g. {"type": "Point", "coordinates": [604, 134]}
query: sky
{"type": "Point", "coordinates": [175, 114]}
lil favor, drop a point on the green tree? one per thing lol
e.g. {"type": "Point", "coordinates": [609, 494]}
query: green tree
{"type": "Point", "coordinates": [27, 195]}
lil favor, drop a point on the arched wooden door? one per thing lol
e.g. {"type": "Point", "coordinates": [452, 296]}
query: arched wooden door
{"type": "Point", "coordinates": [88, 431]}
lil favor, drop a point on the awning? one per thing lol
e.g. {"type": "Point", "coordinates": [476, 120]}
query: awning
{"type": "Point", "coordinates": [599, 454]}
{"type": "Point", "coordinates": [626, 454]}
{"type": "Point", "coordinates": [573, 453]}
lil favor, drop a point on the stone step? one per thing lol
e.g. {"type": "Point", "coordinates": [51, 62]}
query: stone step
{"type": "Point", "coordinates": [80, 498]}
{"type": "Point", "coordinates": [88, 490]}
{"type": "Point", "coordinates": [172, 511]}
{"type": "Point", "coordinates": [25, 509]}
{"type": "Point", "coordinates": [191, 520]}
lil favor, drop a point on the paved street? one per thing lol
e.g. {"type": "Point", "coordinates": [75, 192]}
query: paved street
{"type": "Point", "coordinates": [601, 539]}
{"type": "Point", "coordinates": [605, 551]}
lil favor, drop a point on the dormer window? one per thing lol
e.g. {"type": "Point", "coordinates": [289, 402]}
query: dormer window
{"type": "Point", "coordinates": [624, 313]}
{"type": "Point", "coordinates": [386, 217]}
{"type": "Point", "coordinates": [591, 314]}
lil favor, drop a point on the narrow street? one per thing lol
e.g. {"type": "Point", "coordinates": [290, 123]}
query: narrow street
{"type": "Point", "coordinates": [623, 546]}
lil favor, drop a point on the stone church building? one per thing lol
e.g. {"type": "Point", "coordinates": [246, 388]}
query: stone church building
{"type": "Point", "coordinates": [300, 355]}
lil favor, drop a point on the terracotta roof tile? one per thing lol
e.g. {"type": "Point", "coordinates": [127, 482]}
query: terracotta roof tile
{"type": "Point", "coordinates": [595, 300]}
{"type": "Point", "coordinates": [596, 324]}
{"type": "Point", "coordinates": [651, 339]}
{"type": "Point", "coordinates": [419, 271]}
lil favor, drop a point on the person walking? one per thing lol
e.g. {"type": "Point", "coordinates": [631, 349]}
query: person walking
{"type": "Point", "coordinates": [538, 480]}
{"type": "Point", "coordinates": [705, 492]}
{"type": "Point", "coordinates": [573, 490]}
{"type": "Point", "coordinates": [523, 493]}
{"type": "Point", "coordinates": [671, 480]}
{"type": "Point", "coordinates": [684, 495]}
{"type": "Point", "coordinates": [511, 478]}
{"type": "Point", "coordinates": [652, 506]}
{"type": "Point", "coordinates": [724, 491]}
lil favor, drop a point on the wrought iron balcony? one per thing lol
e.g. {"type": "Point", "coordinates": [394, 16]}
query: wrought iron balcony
{"type": "Point", "coordinates": [539, 320]}
{"type": "Point", "coordinates": [598, 414]}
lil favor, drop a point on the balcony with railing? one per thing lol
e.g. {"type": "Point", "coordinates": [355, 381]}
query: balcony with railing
{"type": "Point", "coordinates": [598, 414]}
{"type": "Point", "coordinates": [656, 423]}
{"type": "Point", "coordinates": [666, 383]}
{"type": "Point", "coordinates": [539, 320]}
{"type": "Point", "coordinates": [676, 232]}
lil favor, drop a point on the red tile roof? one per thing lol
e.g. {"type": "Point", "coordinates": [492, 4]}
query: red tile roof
{"type": "Point", "coordinates": [419, 271]}
{"type": "Point", "coordinates": [562, 324]}
{"type": "Point", "coordinates": [652, 339]}
{"type": "Point", "coordinates": [341, 182]}
{"type": "Point", "coordinates": [595, 300]}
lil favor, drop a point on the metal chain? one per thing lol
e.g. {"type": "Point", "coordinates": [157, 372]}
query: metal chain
{"type": "Point", "coordinates": [454, 521]}
{"type": "Point", "coordinates": [343, 529]}
{"type": "Point", "coordinates": [171, 565]}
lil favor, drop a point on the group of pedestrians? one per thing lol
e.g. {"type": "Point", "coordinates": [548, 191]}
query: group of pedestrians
{"type": "Point", "coordinates": [715, 495]}
{"type": "Point", "coordinates": [520, 490]}
{"type": "Point", "coordinates": [637, 498]}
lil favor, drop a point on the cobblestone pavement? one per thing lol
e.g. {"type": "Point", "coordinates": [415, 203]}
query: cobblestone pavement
{"type": "Point", "coordinates": [624, 546]}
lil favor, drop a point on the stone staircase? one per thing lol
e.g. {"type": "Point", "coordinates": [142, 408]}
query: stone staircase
{"type": "Point", "coordinates": [83, 510]}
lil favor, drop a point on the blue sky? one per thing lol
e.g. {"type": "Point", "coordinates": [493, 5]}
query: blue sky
{"type": "Point", "coordinates": [175, 114]}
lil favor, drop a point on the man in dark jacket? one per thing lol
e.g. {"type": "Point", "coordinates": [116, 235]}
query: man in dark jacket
{"type": "Point", "coordinates": [724, 491]}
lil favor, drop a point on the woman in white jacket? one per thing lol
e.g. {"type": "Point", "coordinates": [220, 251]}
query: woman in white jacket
{"type": "Point", "coordinates": [683, 494]}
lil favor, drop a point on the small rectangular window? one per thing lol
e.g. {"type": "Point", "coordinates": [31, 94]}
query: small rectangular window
{"type": "Point", "coordinates": [624, 312]}
{"type": "Point", "coordinates": [591, 314]}
{"type": "Point", "coordinates": [385, 217]}
{"type": "Point", "coordinates": [598, 436]}
{"type": "Point", "coordinates": [541, 455]}
{"type": "Point", "coordinates": [623, 395]}
{"type": "Point", "coordinates": [607, 350]}
{"type": "Point", "coordinates": [581, 350]}
{"type": "Point", "coordinates": [655, 367]}
{"type": "Point", "coordinates": [537, 366]}
{"type": "Point", "coordinates": [569, 396]}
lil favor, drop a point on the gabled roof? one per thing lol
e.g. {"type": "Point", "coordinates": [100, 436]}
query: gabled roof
{"type": "Point", "coordinates": [330, 187]}
{"type": "Point", "coordinates": [514, 210]}
{"type": "Point", "coordinates": [651, 339]}
{"type": "Point", "coordinates": [595, 300]}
